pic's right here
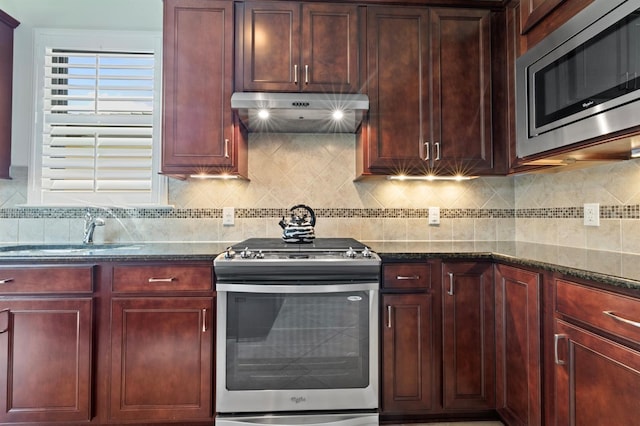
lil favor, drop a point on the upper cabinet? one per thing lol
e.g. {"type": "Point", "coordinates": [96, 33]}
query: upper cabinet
{"type": "Point", "coordinates": [431, 100]}
{"type": "Point", "coordinates": [533, 11]}
{"type": "Point", "coordinates": [292, 47]}
{"type": "Point", "coordinates": [7, 24]}
{"type": "Point", "coordinates": [200, 133]}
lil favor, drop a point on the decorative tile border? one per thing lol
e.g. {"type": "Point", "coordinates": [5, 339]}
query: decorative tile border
{"type": "Point", "coordinates": [606, 212]}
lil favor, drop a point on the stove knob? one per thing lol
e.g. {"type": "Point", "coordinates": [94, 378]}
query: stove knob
{"type": "Point", "coordinates": [246, 253]}
{"type": "Point", "coordinates": [351, 253]}
{"type": "Point", "coordinates": [366, 252]}
{"type": "Point", "coordinates": [229, 253]}
{"type": "Point", "coordinates": [260, 255]}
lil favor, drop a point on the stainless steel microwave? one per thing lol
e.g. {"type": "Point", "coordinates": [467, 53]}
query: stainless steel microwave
{"type": "Point", "coordinates": [582, 81]}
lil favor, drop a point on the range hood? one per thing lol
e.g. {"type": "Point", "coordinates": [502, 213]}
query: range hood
{"type": "Point", "coordinates": [300, 112]}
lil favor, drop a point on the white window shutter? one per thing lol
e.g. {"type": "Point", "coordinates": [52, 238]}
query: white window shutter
{"type": "Point", "coordinates": [99, 121]}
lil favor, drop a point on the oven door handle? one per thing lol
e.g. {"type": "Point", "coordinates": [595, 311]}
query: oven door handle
{"type": "Point", "coordinates": [297, 288]}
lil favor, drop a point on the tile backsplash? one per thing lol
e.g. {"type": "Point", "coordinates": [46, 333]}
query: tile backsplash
{"type": "Point", "coordinates": [319, 170]}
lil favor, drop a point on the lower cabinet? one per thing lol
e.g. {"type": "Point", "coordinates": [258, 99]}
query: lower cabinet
{"type": "Point", "coordinates": [468, 344]}
{"type": "Point", "coordinates": [597, 380]}
{"type": "Point", "coordinates": [597, 356]}
{"type": "Point", "coordinates": [161, 358]}
{"type": "Point", "coordinates": [518, 348]}
{"type": "Point", "coordinates": [408, 363]}
{"type": "Point", "coordinates": [410, 358]}
{"type": "Point", "coordinates": [45, 360]}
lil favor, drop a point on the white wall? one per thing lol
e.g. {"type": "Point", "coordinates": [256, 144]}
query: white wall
{"type": "Point", "coordinates": [81, 14]}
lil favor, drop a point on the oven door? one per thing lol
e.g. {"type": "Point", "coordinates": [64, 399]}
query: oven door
{"type": "Point", "coordinates": [296, 347]}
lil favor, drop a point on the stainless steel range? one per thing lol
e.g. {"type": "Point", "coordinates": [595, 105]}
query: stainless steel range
{"type": "Point", "coordinates": [297, 333]}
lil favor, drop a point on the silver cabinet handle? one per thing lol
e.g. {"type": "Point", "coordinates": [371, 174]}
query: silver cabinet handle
{"type": "Point", "coordinates": [306, 74]}
{"type": "Point", "coordinates": [8, 311]}
{"type": "Point", "coordinates": [226, 148]}
{"type": "Point", "coordinates": [295, 74]}
{"type": "Point", "coordinates": [412, 277]}
{"type": "Point", "coordinates": [450, 292]}
{"type": "Point", "coordinates": [388, 316]}
{"type": "Point", "coordinates": [161, 280]}
{"type": "Point", "coordinates": [437, 146]}
{"type": "Point", "coordinates": [6, 281]}
{"type": "Point", "coordinates": [556, 339]}
{"type": "Point", "coordinates": [621, 319]}
{"type": "Point", "coordinates": [204, 320]}
{"type": "Point", "coordinates": [426, 151]}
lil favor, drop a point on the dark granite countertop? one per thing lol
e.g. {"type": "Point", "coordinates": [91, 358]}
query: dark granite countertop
{"type": "Point", "coordinates": [621, 270]}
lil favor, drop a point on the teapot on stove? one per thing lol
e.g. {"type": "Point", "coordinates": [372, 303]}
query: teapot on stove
{"type": "Point", "coordinates": [299, 227]}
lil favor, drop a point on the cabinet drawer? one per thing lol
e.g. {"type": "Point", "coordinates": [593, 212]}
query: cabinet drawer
{"type": "Point", "coordinates": [46, 279]}
{"type": "Point", "coordinates": [406, 275]}
{"type": "Point", "coordinates": [157, 278]}
{"type": "Point", "coordinates": [610, 312]}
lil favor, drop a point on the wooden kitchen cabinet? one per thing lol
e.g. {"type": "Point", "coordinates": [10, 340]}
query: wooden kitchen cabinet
{"type": "Point", "coordinates": [46, 339]}
{"type": "Point", "coordinates": [292, 47]}
{"type": "Point", "coordinates": [597, 380]}
{"type": "Point", "coordinates": [468, 328]}
{"type": "Point", "coordinates": [410, 359]}
{"type": "Point", "coordinates": [161, 334]}
{"type": "Point", "coordinates": [597, 356]}
{"type": "Point", "coordinates": [7, 25]}
{"type": "Point", "coordinates": [161, 359]}
{"type": "Point", "coordinates": [200, 133]}
{"type": "Point", "coordinates": [518, 296]}
{"type": "Point", "coordinates": [430, 101]}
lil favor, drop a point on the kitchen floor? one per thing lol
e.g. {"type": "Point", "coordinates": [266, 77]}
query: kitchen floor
{"type": "Point", "coordinates": [450, 424]}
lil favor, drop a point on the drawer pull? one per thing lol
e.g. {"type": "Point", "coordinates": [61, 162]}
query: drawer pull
{"type": "Point", "coordinates": [412, 277]}
{"type": "Point", "coordinates": [204, 320]}
{"type": "Point", "coordinates": [556, 339]}
{"type": "Point", "coordinates": [6, 281]}
{"type": "Point", "coordinates": [618, 318]}
{"type": "Point", "coordinates": [161, 280]}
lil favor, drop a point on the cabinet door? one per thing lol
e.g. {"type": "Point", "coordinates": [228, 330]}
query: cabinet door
{"type": "Point", "coordinates": [408, 364]}
{"type": "Point", "coordinates": [518, 334]}
{"type": "Point", "coordinates": [533, 11]}
{"type": "Point", "coordinates": [468, 336]}
{"type": "Point", "coordinates": [7, 24]}
{"type": "Point", "coordinates": [161, 359]}
{"type": "Point", "coordinates": [461, 68]}
{"type": "Point", "coordinates": [199, 134]}
{"type": "Point", "coordinates": [330, 48]}
{"type": "Point", "coordinates": [597, 380]}
{"type": "Point", "coordinates": [398, 87]}
{"type": "Point", "coordinates": [271, 48]}
{"type": "Point", "coordinates": [45, 360]}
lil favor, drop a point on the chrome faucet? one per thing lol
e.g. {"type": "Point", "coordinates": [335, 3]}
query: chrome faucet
{"type": "Point", "coordinates": [90, 224]}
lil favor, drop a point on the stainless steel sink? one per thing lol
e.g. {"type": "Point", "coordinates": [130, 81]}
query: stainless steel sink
{"type": "Point", "coordinates": [62, 249]}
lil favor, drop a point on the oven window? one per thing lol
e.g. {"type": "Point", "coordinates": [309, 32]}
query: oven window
{"type": "Point", "coordinates": [297, 341]}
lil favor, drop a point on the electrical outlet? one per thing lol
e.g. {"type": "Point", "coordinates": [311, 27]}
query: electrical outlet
{"type": "Point", "coordinates": [434, 215]}
{"type": "Point", "coordinates": [228, 216]}
{"type": "Point", "coordinates": [592, 214]}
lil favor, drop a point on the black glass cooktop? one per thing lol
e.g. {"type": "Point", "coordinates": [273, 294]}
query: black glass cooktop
{"type": "Point", "coordinates": [277, 244]}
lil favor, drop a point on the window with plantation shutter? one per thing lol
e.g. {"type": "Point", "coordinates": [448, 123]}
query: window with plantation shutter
{"type": "Point", "coordinates": [98, 120]}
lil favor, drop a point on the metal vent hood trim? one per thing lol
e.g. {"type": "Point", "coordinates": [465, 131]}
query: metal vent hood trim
{"type": "Point", "coordinates": [300, 112]}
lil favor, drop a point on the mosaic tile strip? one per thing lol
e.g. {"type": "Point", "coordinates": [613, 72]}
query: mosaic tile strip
{"type": "Point", "coordinates": [606, 212]}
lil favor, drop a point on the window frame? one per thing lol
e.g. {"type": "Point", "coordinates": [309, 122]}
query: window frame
{"type": "Point", "coordinates": [95, 40]}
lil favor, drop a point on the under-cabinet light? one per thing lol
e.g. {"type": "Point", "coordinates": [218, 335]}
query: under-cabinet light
{"type": "Point", "coordinates": [208, 176]}
{"type": "Point", "coordinates": [635, 153]}
{"type": "Point", "coordinates": [457, 178]}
